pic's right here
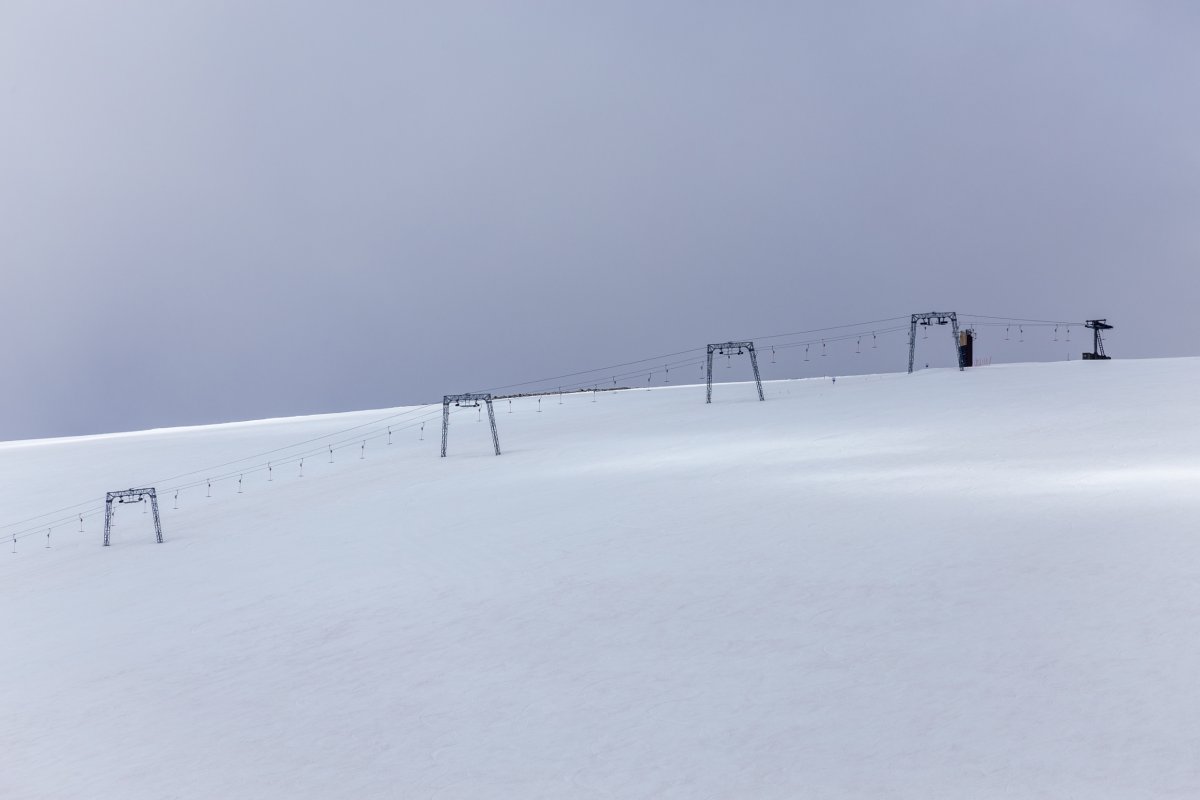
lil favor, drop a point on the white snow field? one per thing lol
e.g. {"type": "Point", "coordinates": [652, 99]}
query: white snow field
{"type": "Point", "coordinates": [944, 585]}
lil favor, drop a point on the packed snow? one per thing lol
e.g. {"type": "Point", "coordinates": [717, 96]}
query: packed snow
{"type": "Point", "coordinates": [940, 585]}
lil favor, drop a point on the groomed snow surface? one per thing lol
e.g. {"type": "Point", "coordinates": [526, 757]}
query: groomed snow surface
{"type": "Point", "coordinates": [944, 585]}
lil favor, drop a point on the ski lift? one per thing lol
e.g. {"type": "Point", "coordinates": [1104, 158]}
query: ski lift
{"type": "Point", "coordinates": [806, 352]}
{"type": "Point", "coordinates": [1021, 333]}
{"type": "Point", "coordinates": [1056, 333]}
{"type": "Point", "coordinates": [772, 355]}
{"type": "Point", "coordinates": [823, 348]}
{"type": "Point", "coordinates": [858, 346]}
{"type": "Point", "coordinates": [874, 340]}
{"type": "Point", "coordinates": [1006, 329]}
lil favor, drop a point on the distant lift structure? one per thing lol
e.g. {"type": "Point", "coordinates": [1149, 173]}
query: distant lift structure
{"type": "Point", "coordinates": [470, 400]}
{"type": "Point", "coordinates": [131, 496]}
{"type": "Point", "coordinates": [932, 318]}
{"type": "Point", "coordinates": [729, 349]}
{"type": "Point", "coordinates": [1097, 353]}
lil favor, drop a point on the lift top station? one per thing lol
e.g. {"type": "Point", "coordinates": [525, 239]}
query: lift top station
{"type": "Point", "coordinates": [1097, 353]}
{"type": "Point", "coordinates": [966, 347]}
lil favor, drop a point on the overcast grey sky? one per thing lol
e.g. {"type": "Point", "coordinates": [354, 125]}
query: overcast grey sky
{"type": "Point", "coordinates": [229, 210]}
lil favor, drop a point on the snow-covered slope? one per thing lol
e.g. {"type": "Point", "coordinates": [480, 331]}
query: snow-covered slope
{"type": "Point", "coordinates": [950, 585]}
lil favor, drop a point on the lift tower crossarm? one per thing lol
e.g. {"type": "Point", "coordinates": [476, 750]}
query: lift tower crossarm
{"type": "Point", "coordinates": [940, 318]}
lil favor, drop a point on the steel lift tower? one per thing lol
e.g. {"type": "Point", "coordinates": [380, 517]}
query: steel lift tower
{"type": "Point", "coordinates": [930, 318]}
{"type": "Point", "coordinates": [1097, 353]}
{"type": "Point", "coordinates": [467, 401]}
{"type": "Point", "coordinates": [131, 496]}
{"type": "Point", "coordinates": [728, 348]}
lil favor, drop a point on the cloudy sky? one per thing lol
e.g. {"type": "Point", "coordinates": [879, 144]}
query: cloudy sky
{"type": "Point", "coordinates": [229, 210]}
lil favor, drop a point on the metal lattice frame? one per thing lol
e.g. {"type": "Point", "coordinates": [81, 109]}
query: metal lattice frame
{"type": "Point", "coordinates": [940, 318]}
{"type": "Point", "coordinates": [725, 348]}
{"type": "Point", "coordinates": [132, 496]}
{"type": "Point", "coordinates": [469, 400]}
